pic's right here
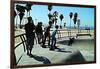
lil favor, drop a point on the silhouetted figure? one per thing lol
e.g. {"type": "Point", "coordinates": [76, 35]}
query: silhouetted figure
{"type": "Point", "coordinates": [71, 40]}
{"type": "Point", "coordinates": [53, 36]}
{"type": "Point", "coordinates": [46, 34]}
{"type": "Point", "coordinates": [60, 27]}
{"type": "Point", "coordinates": [30, 35]}
{"type": "Point", "coordinates": [39, 32]}
{"type": "Point", "coordinates": [88, 29]}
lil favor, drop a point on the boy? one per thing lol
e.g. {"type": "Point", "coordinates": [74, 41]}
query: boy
{"type": "Point", "coordinates": [71, 41]}
{"type": "Point", "coordinates": [47, 34]}
{"type": "Point", "coordinates": [39, 32]}
{"type": "Point", "coordinates": [29, 28]}
{"type": "Point", "coordinates": [53, 36]}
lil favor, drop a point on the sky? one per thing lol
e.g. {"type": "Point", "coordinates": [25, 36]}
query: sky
{"type": "Point", "coordinates": [39, 13]}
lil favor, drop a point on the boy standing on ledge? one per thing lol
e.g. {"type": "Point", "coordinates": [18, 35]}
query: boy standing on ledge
{"type": "Point", "coordinates": [53, 36]}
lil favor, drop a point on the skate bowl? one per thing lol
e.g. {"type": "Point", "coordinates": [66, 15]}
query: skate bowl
{"type": "Point", "coordinates": [43, 56]}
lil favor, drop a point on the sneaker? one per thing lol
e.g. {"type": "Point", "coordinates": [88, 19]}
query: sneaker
{"type": "Point", "coordinates": [43, 46]}
{"type": "Point", "coordinates": [27, 53]}
{"type": "Point", "coordinates": [56, 47]}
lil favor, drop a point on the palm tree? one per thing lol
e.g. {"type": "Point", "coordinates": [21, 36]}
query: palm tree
{"type": "Point", "coordinates": [28, 8]}
{"type": "Point", "coordinates": [55, 15]}
{"type": "Point", "coordinates": [21, 10]}
{"type": "Point", "coordinates": [75, 19]}
{"type": "Point", "coordinates": [21, 14]}
{"type": "Point", "coordinates": [15, 14]}
{"type": "Point", "coordinates": [50, 16]}
{"type": "Point", "coordinates": [64, 25]}
{"type": "Point", "coordinates": [78, 24]}
{"type": "Point", "coordinates": [49, 8]}
{"type": "Point", "coordinates": [61, 18]}
{"type": "Point", "coordinates": [70, 15]}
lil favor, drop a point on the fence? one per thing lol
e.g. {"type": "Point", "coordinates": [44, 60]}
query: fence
{"type": "Point", "coordinates": [23, 42]}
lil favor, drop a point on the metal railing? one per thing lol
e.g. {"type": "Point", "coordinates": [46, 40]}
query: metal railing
{"type": "Point", "coordinates": [23, 41]}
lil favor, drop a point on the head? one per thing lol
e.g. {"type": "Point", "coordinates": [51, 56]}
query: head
{"type": "Point", "coordinates": [50, 23]}
{"type": "Point", "coordinates": [39, 23]}
{"type": "Point", "coordinates": [56, 26]}
{"type": "Point", "coordinates": [30, 19]}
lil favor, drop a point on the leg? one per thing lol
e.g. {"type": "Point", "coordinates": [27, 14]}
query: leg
{"type": "Point", "coordinates": [45, 36]}
{"type": "Point", "coordinates": [27, 46]}
{"type": "Point", "coordinates": [31, 43]}
{"type": "Point", "coordinates": [37, 37]}
{"type": "Point", "coordinates": [49, 40]}
{"type": "Point", "coordinates": [55, 42]}
{"type": "Point", "coordinates": [52, 45]}
{"type": "Point", "coordinates": [44, 39]}
{"type": "Point", "coordinates": [41, 38]}
{"type": "Point", "coordinates": [30, 49]}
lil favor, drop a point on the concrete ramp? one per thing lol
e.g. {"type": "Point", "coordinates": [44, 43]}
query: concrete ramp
{"type": "Point", "coordinates": [65, 54]}
{"type": "Point", "coordinates": [75, 57]}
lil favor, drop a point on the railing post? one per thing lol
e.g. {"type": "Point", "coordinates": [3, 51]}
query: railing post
{"type": "Point", "coordinates": [22, 42]}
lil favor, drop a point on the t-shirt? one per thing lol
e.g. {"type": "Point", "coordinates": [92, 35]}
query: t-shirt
{"type": "Point", "coordinates": [38, 29]}
{"type": "Point", "coordinates": [47, 30]}
{"type": "Point", "coordinates": [54, 33]}
{"type": "Point", "coordinates": [29, 27]}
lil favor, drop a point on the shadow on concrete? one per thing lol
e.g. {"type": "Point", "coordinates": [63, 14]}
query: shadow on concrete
{"type": "Point", "coordinates": [41, 59]}
{"type": "Point", "coordinates": [63, 50]}
{"type": "Point", "coordinates": [76, 57]}
{"type": "Point", "coordinates": [63, 42]}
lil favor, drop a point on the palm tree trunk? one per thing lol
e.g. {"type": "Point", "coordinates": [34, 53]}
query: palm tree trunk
{"type": "Point", "coordinates": [78, 29]}
{"type": "Point", "coordinates": [20, 24]}
{"type": "Point", "coordinates": [74, 26]}
{"type": "Point", "coordinates": [55, 22]}
{"type": "Point", "coordinates": [16, 21]}
{"type": "Point", "coordinates": [60, 24]}
{"type": "Point", "coordinates": [70, 27]}
{"type": "Point", "coordinates": [29, 13]}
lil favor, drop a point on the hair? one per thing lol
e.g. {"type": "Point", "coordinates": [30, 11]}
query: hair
{"type": "Point", "coordinates": [40, 23]}
{"type": "Point", "coordinates": [50, 22]}
{"type": "Point", "coordinates": [29, 18]}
